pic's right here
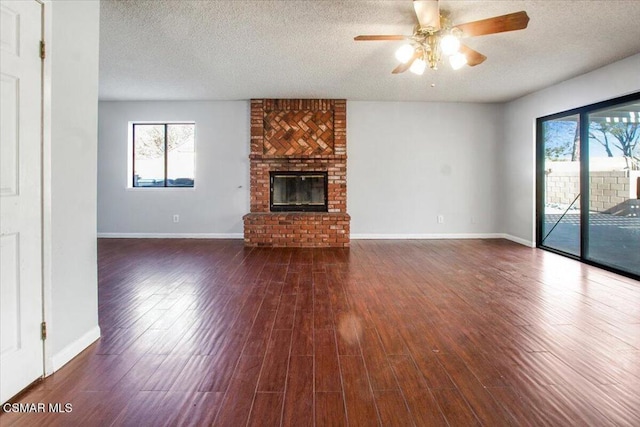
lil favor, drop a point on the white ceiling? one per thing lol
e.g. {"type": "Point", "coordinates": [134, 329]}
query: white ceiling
{"type": "Point", "coordinates": [230, 50]}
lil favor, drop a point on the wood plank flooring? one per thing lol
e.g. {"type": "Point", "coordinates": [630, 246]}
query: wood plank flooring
{"type": "Point", "coordinates": [393, 333]}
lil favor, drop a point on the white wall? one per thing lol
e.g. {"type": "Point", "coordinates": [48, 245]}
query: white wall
{"type": "Point", "coordinates": [70, 180]}
{"type": "Point", "coordinates": [409, 162]}
{"type": "Point", "coordinates": [221, 195]}
{"type": "Point", "coordinates": [517, 150]}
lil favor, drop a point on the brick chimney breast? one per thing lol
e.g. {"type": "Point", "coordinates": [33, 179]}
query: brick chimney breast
{"type": "Point", "coordinates": [298, 135]}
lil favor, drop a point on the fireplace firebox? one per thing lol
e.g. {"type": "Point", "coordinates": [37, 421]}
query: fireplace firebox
{"type": "Point", "coordinates": [298, 191]}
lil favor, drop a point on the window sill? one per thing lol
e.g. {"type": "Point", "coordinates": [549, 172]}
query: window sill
{"type": "Point", "coordinates": [171, 189]}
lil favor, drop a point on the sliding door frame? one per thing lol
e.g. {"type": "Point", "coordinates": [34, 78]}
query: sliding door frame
{"type": "Point", "coordinates": [583, 113]}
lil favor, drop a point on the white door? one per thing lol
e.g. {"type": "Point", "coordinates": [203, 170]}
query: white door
{"type": "Point", "coordinates": [21, 349]}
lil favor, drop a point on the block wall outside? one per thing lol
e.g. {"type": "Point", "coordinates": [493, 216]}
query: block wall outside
{"type": "Point", "coordinates": [606, 189]}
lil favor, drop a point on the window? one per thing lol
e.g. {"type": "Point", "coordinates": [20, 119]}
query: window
{"type": "Point", "coordinates": [163, 154]}
{"type": "Point", "coordinates": [588, 182]}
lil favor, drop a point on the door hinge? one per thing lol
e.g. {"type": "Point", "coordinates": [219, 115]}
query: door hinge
{"type": "Point", "coordinates": [42, 50]}
{"type": "Point", "coordinates": [43, 330]}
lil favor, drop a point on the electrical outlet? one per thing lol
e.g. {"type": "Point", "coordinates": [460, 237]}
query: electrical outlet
{"type": "Point", "coordinates": [176, 218]}
{"type": "Point", "coordinates": [474, 220]}
{"type": "Point", "coordinates": [440, 219]}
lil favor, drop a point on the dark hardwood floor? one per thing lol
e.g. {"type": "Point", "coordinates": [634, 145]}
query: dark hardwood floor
{"type": "Point", "coordinates": [394, 333]}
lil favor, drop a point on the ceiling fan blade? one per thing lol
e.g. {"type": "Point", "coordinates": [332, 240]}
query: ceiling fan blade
{"type": "Point", "coordinates": [428, 13]}
{"type": "Point", "coordinates": [379, 38]}
{"type": "Point", "coordinates": [497, 24]}
{"type": "Point", "coordinates": [473, 57]}
{"type": "Point", "coordinates": [404, 67]}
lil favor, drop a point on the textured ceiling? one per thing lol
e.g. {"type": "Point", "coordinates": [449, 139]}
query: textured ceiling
{"type": "Point", "coordinates": [229, 50]}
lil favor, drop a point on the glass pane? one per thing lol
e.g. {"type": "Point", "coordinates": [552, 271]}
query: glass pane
{"type": "Point", "coordinates": [304, 191]}
{"type": "Point", "coordinates": [316, 190]}
{"type": "Point", "coordinates": [561, 216]}
{"type": "Point", "coordinates": [148, 145]}
{"type": "Point", "coordinates": [181, 155]}
{"type": "Point", "coordinates": [298, 190]}
{"type": "Point", "coordinates": [614, 172]}
{"type": "Point", "coordinates": [283, 189]}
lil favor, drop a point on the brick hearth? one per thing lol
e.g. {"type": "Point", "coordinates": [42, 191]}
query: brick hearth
{"type": "Point", "coordinates": [298, 135]}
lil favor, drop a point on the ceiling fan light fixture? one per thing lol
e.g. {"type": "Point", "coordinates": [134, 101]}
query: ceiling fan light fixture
{"type": "Point", "coordinates": [450, 44]}
{"type": "Point", "coordinates": [457, 61]}
{"type": "Point", "coordinates": [418, 66]}
{"type": "Point", "coordinates": [404, 53]}
{"type": "Point", "coordinates": [435, 37]}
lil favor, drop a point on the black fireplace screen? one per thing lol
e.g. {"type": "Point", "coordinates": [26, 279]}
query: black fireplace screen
{"type": "Point", "coordinates": [298, 191]}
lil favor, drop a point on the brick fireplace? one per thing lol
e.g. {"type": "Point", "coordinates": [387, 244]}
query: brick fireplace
{"type": "Point", "coordinates": [298, 135]}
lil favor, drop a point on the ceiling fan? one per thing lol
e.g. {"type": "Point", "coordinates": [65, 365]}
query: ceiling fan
{"type": "Point", "coordinates": [435, 37]}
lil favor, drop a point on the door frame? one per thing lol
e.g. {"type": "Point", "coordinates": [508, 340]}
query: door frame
{"type": "Point", "coordinates": [46, 202]}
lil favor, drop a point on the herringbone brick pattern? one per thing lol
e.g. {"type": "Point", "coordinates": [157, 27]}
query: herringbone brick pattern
{"type": "Point", "coordinates": [298, 132]}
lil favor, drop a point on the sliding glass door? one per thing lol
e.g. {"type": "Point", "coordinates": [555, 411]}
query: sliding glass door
{"type": "Point", "coordinates": [614, 168]}
{"type": "Point", "coordinates": [560, 226]}
{"type": "Point", "coordinates": [588, 184]}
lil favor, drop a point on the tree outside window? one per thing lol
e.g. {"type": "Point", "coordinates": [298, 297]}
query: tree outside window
{"type": "Point", "coordinates": [163, 154]}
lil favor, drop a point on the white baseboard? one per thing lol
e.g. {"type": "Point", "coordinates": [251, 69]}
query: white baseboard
{"type": "Point", "coordinates": [394, 236]}
{"type": "Point", "coordinates": [61, 358]}
{"type": "Point", "coordinates": [430, 236]}
{"type": "Point", "coordinates": [356, 236]}
{"type": "Point", "coordinates": [524, 242]}
{"type": "Point", "coordinates": [170, 235]}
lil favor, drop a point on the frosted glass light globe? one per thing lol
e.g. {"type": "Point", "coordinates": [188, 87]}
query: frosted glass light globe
{"type": "Point", "coordinates": [404, 53]}
{"type": "Point", "coordinates": [449, 44]}
{"type": "Point", "coordinates": [457, 61]}
{"type": "Point", "coordinates": [418, 67]}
